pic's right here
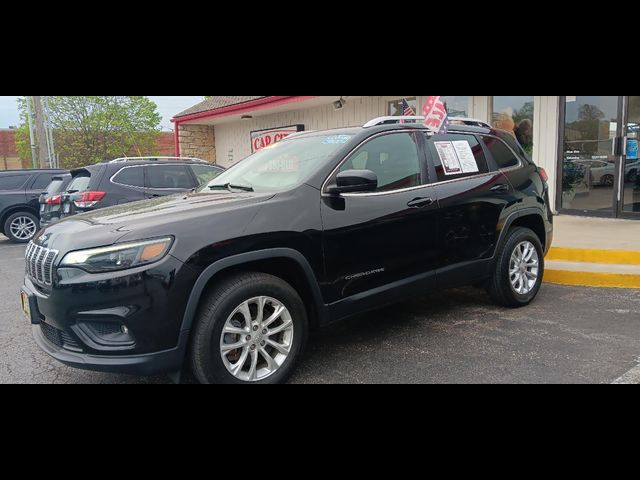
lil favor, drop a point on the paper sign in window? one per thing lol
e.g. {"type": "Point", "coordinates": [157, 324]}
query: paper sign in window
{"type": "Point", "coordinates": [448, 158]}
{"type": "Point", "coordinates": [466, 157]}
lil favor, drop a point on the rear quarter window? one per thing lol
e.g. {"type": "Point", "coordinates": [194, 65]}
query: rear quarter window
{"type": "Point", "coordinates": [13, 182]}
{"type": "Point", "coordinates": [130, 176]}
{"type": "Point", "coordinates": [501, 153]}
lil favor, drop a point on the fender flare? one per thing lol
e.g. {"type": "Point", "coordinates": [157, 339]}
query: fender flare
{"type": "Point", "coordinates": [509, 221]}
{"type": "Point", "coordinates": [243, 258]}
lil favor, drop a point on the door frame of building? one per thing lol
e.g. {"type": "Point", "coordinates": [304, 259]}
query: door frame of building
{"type": "Point", "coordinates": [618, 191]}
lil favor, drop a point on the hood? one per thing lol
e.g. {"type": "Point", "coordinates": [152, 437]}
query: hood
{"type": "Point", "coordinates": [173, 215]}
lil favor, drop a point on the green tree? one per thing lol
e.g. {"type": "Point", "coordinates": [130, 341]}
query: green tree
{"type": "Point", "coordinates": [91, 129]}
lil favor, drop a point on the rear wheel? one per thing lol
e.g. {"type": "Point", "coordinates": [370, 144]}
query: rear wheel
{"type": "Point", "coordinates": [21, 227]}
{"type": "Point", "coordinates": [251, 329]}
{"type": "Point", "coordinates": [518, 270]}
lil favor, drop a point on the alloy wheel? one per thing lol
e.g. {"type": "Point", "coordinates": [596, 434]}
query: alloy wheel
{"type": "Point", "coordinates": [256, 339]}
{"type": "Point", "coordinates": [524, 268]}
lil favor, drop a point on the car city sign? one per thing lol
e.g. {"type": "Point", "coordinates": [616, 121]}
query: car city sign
{"type": "Point", "coordinates": [263, 138]}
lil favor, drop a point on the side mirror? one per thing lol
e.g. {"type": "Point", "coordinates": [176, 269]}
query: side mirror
{"type": "Point", "coordinates": [353, 181]}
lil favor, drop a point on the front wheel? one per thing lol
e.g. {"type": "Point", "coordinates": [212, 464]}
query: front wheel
{"type": "Point", "coordinates": [251, 329]}
{"type": "Point", "coordinates": [21, 227]}
{"type": "Point", "coordinates": [518, 270]}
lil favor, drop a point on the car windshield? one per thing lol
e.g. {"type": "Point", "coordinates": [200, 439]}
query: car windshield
{"type": "Point", "coordinates": [279, 167]}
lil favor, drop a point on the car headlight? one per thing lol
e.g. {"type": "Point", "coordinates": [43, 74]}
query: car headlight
{"type": "Point", "coordinates": [118, 257]}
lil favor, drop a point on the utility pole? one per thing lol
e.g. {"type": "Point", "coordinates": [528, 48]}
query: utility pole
{"type": "Point", "coordinates": [32, 135]}
{"type": "Point", "coordinates": [43, 151]}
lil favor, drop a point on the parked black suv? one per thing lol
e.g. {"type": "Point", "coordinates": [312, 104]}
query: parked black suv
{"type": "Point", "coordinates": [19, 202]}
{"type": "Point", "coordinates": [317, 228]}
{"type": "Point", "coordinates": [132, 179]}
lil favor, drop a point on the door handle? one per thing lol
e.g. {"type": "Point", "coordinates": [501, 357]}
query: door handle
{"type": "Point", "coordinates": [502, 188]}
{"type": "Point", "coordinates": [420, 202]}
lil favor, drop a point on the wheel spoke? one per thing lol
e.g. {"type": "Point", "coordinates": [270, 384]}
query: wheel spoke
{"type": "Point", "coordinates": [281, 328]}
{"type": "Point", "coordinates": [235, 330]}
{"type": "Point", "coordinates": [254, 366]}
{"type": "Point", "coordinates": [260, 315]}
{"type": "Point", "coordinates": [229, 347]}
{"type": "Point", "coordinates": [271, 363]}
{"type": "Point", "coordinates": [280, 348]}
{"type": "Point", "coordinates": [245, 312]}
{"type": "Point", "coordinates": [237, 367]}
{"type": "Point", "coordinates": [278, 312]}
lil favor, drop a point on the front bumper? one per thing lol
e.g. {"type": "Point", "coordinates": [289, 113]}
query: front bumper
{"type": "Point", "coordinates": [146, 364]}
{"type": "Point", "coordinates": [122, 322]}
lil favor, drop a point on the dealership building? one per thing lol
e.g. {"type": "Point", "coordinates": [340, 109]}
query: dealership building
{"type": "Point", "coordinates": [587, 144]}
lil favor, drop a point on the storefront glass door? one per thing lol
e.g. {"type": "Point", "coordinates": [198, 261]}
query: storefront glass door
{"type": "Point", "coordinates": [592, 154]}
{"type": "Point", "coordinates": [630, 179]}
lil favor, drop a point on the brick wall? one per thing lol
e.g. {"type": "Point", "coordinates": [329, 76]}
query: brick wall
{"type": "Point", "coordinates": [197, 141]}
{"type": "Point", "coordinates": [9, 159]}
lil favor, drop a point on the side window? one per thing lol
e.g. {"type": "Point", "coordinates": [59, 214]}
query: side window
{"type": "Point", "coordinates": [42, 182]}
{"type": "Point", "coordinates": [168, 177]}
{"type": "Point", "coordinates": [503, 155]}
{"type": "Point", "coordinates": [131, 176]}
{"type": "Point", "coordinates": [393, 158]}
{"type": "Point", "coordinates": [14, 182]}
{"type": "Point", "coordinates": [205, 173]}
{"type": "Point", "coordinates": [457, 156]}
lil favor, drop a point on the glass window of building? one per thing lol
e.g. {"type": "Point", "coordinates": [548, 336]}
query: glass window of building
{"type": "Point", "coordinates": [515, 114]}
{"type": "Point", "coordinates": [457, 106]}
{"type": "Point", "coordinates": [396, 109]}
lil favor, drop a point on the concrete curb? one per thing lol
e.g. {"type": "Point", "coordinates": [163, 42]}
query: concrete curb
{"type": "Point", "coordinates": [580, 273]}
{"type": "Point", "coordinates": [620, 257]}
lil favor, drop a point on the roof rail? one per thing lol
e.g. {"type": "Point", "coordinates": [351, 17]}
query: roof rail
{"type": "Point", "coordinates": [390, 120]}
{"type": "Point", "coordinates": [470, 122]}
{"type": "Point", "coordinates": [157, 159]}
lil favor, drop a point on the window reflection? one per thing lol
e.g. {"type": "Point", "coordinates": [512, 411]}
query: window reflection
{"type": "Point", "coordinates": [515, 115]}
{"type": "Point", "coordinates": [457, 106]}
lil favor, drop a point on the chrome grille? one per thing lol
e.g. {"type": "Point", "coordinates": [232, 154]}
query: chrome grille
{"type": "Point", "coordinates": [39, 262]}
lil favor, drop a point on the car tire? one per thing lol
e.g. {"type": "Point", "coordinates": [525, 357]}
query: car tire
{"type": "Point", "coordinates": [223, 314]}
{"type": "Point", "coordinates": [607, 180]}
{"type": "Point", "coordinates": [517, 288]}
{"type": "Point", "coordinates": [21, 227]}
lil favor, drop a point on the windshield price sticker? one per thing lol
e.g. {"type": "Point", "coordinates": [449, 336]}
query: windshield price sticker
{"type": "Point", "coordinates": [336, 140]}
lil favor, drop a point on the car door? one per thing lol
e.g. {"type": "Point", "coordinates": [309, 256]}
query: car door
{"type": "Point", "coordinates": [380, 245]}
{"type": "Point", "coordinates": [12, 191]}
{"type": "Point", "coordinates": [162, 180]}
{"type": "Point", "coordinates": [472, 196]}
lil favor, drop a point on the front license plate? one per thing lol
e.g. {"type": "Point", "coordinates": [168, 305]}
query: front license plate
{"type": "Point", "coordinates": [26, 306]}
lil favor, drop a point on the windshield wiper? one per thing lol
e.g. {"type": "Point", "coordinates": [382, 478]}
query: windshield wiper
{"type": "Point", "coordinates": [231, 187]}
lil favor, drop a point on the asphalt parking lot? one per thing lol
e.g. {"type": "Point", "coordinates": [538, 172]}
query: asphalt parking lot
{"type": "Point", "coordinates": [569, 335]}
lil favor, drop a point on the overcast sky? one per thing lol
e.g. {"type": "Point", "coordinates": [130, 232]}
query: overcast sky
{"type": "Point", "coordinates": [167, 106]}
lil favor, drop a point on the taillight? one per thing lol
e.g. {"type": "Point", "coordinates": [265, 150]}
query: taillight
{"type": "Point", "coordinates": [54, 200]}
{"type": "Point", "coordinates": [543, 175]}
{"type": "Point", "coordinates": [87, 199]}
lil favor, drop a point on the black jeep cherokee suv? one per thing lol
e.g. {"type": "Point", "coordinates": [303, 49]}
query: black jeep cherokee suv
{"type": "Point", "coordinates": [230, 278]}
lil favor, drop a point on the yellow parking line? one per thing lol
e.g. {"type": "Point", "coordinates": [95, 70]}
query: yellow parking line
{"type": "Point", "coordinates": [620, 257]}
{"type": "Point", "coordinates": [591, 279]}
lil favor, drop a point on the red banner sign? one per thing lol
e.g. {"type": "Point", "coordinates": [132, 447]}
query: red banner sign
{"type": "Point", "coordinates": [264, 138]}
